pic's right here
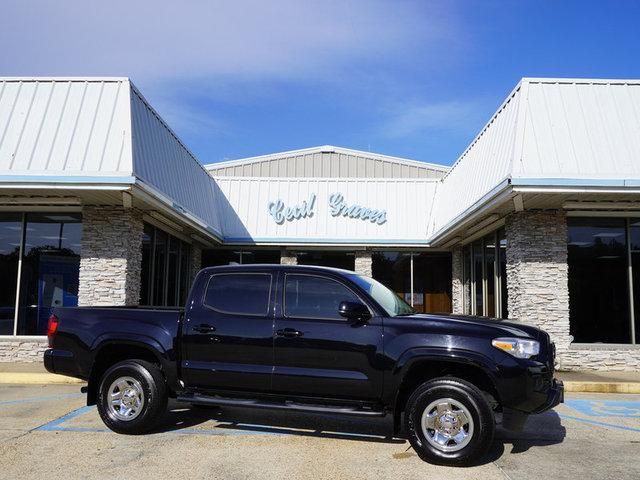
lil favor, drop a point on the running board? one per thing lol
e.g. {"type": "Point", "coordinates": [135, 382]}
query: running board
{"type": "Point", "coordinates": [200, 399]}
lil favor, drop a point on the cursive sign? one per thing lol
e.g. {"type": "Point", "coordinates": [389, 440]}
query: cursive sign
{"type": "Point", "coordinates": [280, 212]}
{"type": "Point", "coordinates": [339, 207]}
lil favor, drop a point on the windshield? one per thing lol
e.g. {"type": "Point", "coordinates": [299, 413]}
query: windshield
{"type": "Point", "coordinates": [387, 299]}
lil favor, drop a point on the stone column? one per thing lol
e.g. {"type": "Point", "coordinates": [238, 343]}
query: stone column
{"type": "Point", "coordinates": [111, 256]}
{"type": "Point", "coordinates": [196, 263]}
{"type": "Point", "coordinates": [537, 272]}
{"type": "Point", "coordinates": [457, 287]}
{"type": "Point", "coordinates": [288, 257]}
{"type": "Point", "coordinates": [363, 263]}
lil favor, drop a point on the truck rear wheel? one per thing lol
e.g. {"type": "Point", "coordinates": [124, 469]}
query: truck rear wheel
{"type": "Point", "coordinates": [449, 422]}
{"type": "Point", "coordinates": [132, 397]}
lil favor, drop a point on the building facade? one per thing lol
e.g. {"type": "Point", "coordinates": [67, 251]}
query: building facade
{"type": "Point", "coordinates": [538, 220]}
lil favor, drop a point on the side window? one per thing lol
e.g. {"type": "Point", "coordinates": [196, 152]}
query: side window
{"type": "Point", "coordinates": [314, 297]}
{"type": "Point", "coordinates": [239, 293]}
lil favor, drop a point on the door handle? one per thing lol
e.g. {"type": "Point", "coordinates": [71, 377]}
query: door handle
{"type": "Point", "coordinates": [289, 333]}
{"type": "Point", "coordinates": [204, 328]}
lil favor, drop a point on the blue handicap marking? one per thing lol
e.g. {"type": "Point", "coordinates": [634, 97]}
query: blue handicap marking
{"type": "Point", "coordinates": [605, 408]}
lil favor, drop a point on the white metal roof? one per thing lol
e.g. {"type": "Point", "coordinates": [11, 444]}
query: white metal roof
{"type": "Point", "coordinates": [547, 132]}
{"type": "Point", "coordinates": [327, 161]}
{"type": "Point", "coordinates": [96, 131]}
{"type": "Point", "coordinates": [65, 127]}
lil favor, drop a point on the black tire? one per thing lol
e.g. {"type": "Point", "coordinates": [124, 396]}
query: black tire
{"type": "Point", "coordinates": [463, 394]}
{"type": "Point", "coordinates": [152, 405]}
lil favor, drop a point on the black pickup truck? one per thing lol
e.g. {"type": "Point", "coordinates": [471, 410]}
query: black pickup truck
{"type": "Point", "coordinates": [309, 339]}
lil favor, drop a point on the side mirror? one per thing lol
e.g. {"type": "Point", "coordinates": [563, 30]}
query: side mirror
{"type": "Point", "coordinates": [354, 311]}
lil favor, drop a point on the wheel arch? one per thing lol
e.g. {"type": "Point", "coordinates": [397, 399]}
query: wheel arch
{"type": "Point", "coordinates": [422, 368]}
{"type": "Point", "coordinates": [111, 352]}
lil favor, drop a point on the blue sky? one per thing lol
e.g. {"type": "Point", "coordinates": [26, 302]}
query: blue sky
{"type": "Point", "coordinates": [415, 79]}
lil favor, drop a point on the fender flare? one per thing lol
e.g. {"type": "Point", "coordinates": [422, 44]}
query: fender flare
{"type": "Point", "coordinates": [438, 354]}
{"type": "Point", "coordinates": [149, 344]}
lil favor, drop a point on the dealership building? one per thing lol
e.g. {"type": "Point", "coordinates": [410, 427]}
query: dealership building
{"type": "Point", "coordinates": [537, 221]}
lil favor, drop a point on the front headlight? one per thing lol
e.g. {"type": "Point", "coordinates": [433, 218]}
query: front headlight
{"type": "Point", "coordinates": [518, 347]}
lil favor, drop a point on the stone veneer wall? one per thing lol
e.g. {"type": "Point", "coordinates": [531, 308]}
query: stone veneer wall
{"type": "Point", "coordinates": [538, 291]}
{"type": "Point", "coordinates": [537, 272]}
{"type": "Point", "coordinates": [457, 297]}
{"type": "Point", "coordinates": [21, 350]}
{"type": "Point", "coordinates": [287, 257]}
{"type": "Point", "coordinates": [601, 357]}
{"type": "Point", "coordinates": [363, 263]}
{"type": "Point", "coordinates": [110, 257]}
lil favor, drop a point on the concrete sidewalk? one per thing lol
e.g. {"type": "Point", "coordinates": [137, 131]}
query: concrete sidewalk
{"type": "Point", "coordinates": [588, 381]}
{"type": "Point", "coordinates": [31, 374]}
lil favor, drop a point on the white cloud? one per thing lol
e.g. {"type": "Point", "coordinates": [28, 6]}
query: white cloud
{"type": "Point", "coordinates": [408, 119]}
{"type": "Point", "coordinates": [183, 54]}
{"type": "Point", "coordinates": [154, 40]}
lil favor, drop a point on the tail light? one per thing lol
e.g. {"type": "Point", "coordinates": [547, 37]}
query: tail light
{"type": "Point", "coordinates": [52, 329]}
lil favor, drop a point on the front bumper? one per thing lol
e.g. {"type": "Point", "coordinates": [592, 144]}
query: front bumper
{"type": "Point", "coordinates": [555, 396]}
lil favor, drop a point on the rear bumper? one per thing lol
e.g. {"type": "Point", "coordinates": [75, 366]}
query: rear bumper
{"type": "Point", "coordinates": [61, 362]}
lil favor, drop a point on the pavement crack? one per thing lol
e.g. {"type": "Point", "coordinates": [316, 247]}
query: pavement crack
{"type": "Point", "coordinates": [504, 474]}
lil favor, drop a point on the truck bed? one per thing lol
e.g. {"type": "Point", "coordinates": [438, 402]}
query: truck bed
{"type": "Point", "coordinates": [85, 331]}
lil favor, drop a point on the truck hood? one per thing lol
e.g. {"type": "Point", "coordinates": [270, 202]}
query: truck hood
{"type": "Point", "coordinates": [512, 329]}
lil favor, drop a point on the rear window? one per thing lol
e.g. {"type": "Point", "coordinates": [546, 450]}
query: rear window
{"type": "Point", "coordinates": [239, 293]}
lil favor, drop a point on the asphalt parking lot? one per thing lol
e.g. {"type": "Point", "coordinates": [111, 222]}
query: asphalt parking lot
{"type": "Point", "coordinates": [47, 431]}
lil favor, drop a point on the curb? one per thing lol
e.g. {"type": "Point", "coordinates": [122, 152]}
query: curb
{"type": "Point", "coordinates": [29, 378]}
{"type": "Point", "coordinates": [602, 387]}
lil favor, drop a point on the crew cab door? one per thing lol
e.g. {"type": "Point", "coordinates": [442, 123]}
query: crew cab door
{"type": "Point", "coordinates": [319, 353]}
{"type": "Point", "coordinates": [228, 332]}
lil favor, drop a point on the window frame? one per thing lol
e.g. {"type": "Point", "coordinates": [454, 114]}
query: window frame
{"type": "Point", "coordinates": [341, 320]}
{"type": "Point", "coordinates": [239, 314]}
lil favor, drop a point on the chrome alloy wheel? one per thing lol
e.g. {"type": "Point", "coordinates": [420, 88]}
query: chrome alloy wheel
{"type": "Point", "coordinates": [126, 398]}
{"type": "Point", "coordinates": [447, 425]}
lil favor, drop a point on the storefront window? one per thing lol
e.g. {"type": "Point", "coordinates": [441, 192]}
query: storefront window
{"type": "Point", "coordinates": [634, 237]}
{"type": "Point", "coordinates": [432, 282]}
{"type": "Point", "coordinates": [50, 269]}
{"type": "Point", "coordinates": [147, 265]}
{"type": "Point", "coordinates": [393, 270]}
{"type": "Point", "coordinates": [166, 262]}
{"type": "Point", "coordinates": [502, 277]}
{"type": "Point", "coordinates": [598, 280]}
{"type": "Point", "coordinates": [225, 256]}
{"type": "Point", "coordinates": [10, 235]}
{"type": "Point", "coordinates": [485, 276]}
{"type": "Point", "coordinates": [430, 290]}
{"type": "Point", "coordinates": [478, 278]}
{"type": "Point", "coordinates": [489, 268]}
{"type": "Point", "coordinates": [344, 260]}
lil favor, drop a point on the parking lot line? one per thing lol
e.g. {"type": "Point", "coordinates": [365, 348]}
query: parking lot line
{"type": "Point", "coordinates": [40, 399]}
{"type": "Point", "coordinates": [601, 424]}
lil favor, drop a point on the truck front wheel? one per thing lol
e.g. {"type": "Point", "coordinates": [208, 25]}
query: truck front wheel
{"type": "Point", "coordinates": [132, 397]}
{"type": "Point", "coordinates": [449, 422]}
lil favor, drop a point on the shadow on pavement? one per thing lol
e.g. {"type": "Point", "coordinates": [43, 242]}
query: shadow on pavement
{"type": "Point", "coordinates": [539, 430]}
{"type": "Point", "coordinates": [181, 416]}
